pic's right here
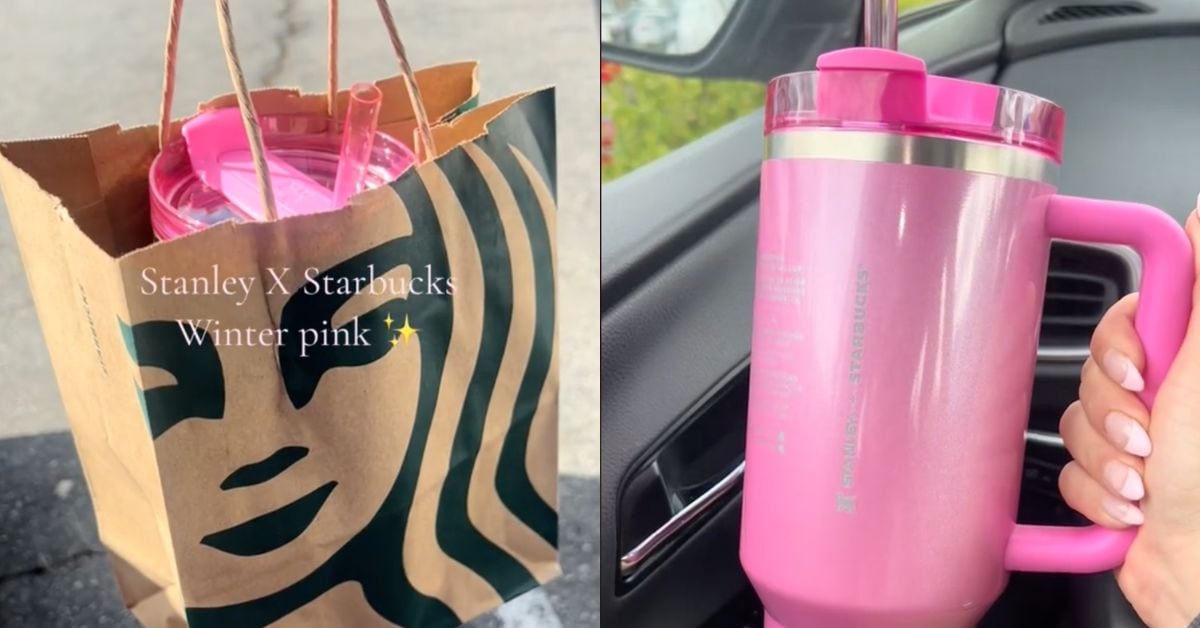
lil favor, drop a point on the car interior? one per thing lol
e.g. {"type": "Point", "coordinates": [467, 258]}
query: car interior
{"type": "Point", "coordinates": [678, 241]}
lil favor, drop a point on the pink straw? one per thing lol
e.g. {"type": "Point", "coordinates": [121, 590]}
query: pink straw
{"type": "Point", "coordinates": [358, 134]}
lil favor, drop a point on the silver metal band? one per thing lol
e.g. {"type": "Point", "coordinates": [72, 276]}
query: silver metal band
{"type": "Point", "coordinates": [943, 152]}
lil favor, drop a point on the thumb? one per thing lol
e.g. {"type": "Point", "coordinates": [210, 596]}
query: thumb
{"type": "Point", "coordinates": [1185, 370]}
{"type": "Point", "coordinates": [1173, 469]}
{"type": "Point", "coordinates": [1192, 227]}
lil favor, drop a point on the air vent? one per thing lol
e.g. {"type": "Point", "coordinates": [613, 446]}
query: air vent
{"type": "Point", "coordinates": [1072, 12]}
{"type": "Point", "coordinates": [1075, 302]}
{"type": "Point", "coordinates": [1084, 281]}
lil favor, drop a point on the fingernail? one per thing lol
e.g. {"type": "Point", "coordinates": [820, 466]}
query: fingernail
{"type": "Point", "coordinates": [1122, 511]}
{"type": "Point", "coordinates": [1122, 371]}
{"type": "Point", "coordinates": [1124, 480]}
{"type": "Point", "coordinates": [1127, 434]}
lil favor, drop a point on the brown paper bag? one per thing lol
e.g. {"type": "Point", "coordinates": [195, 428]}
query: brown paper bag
{"type": "Point", "coordinates": [339, 419]}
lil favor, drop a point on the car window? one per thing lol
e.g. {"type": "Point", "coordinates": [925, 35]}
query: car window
{"type": "Point", "coordinates": [645, 115]}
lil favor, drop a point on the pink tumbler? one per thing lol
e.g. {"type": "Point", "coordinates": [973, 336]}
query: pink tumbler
{"type": "Point", "coordinates": [904, 233]}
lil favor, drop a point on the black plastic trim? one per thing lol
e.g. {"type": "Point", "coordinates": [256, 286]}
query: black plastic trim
{"type": "Point", "coordinates": [655, 213]}
{"type": "Point", "coordinates": [961, 38]}
{"type": "Point", "coordinates": [1027, 35]}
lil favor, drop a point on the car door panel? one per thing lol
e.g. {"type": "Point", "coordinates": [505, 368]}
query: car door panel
{"type": "Point", "coordinates": [665, 345]}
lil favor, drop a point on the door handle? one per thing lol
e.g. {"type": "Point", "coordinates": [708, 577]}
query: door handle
{"type": "Point", "coordinates": [679, 524]}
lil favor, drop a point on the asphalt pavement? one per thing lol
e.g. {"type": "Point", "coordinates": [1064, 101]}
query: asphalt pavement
{"type": "Point", "coordinates": [70, 66]}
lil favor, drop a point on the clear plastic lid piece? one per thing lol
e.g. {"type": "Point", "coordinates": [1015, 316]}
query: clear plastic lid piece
{"type": "Point", "coordinates": [885, 90]}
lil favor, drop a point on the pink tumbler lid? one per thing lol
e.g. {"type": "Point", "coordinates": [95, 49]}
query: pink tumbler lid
{"type": "Point", "coordinates": [303, 154]}
{"type": "Point", "coordinates": [880, 89]}
{"type": "Point", "coordinates": [220, 153]}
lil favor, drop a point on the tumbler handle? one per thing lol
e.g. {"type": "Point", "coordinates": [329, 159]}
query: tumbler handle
{"type": "Point", "coordinates": [1161, 320]}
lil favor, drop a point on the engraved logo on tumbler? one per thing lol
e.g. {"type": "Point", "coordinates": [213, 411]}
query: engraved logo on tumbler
{"type": "Point", "coordinates": [778, 385]}
{"type": "Point", "coordinates": [846, 501]}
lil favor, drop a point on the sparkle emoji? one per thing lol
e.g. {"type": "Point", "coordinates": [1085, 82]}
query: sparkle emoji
{"type": "Point", "coordinates": [388, 321]}
{"type": "Point", "coordinates": [407, 331]}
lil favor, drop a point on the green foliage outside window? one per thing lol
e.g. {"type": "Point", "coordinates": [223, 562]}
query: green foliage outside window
{"type": "Point", "coordinates": [653, 114]}
{"type": "Point", "coordinates": [648, 115]}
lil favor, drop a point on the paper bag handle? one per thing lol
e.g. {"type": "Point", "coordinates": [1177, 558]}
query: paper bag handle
{"type": "Point", "coordinates": [423, 145]}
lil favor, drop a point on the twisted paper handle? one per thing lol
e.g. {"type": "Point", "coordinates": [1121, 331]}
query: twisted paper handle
{"type": "Point", "coordinates": [249, 117]}
{"type": "Point", "coordinates": [424, 148]}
